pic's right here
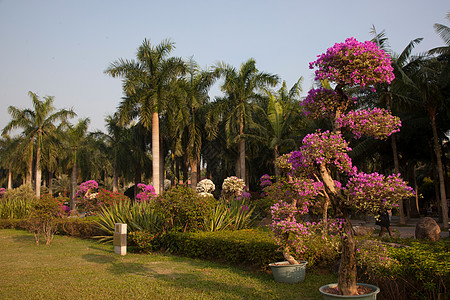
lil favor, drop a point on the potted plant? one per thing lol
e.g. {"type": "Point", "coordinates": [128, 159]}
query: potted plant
{"type": "Point", "coordinates": [322, 166]}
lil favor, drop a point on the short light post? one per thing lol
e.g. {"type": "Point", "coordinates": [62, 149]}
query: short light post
{"type": "Point", "coordinates": [120, 238]}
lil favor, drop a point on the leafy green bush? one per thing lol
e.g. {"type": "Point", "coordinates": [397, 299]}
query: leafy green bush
{"type": "Point", "coordinates": [16, 203]}
{"type": "Point", "coordinates": [144, 241]}
{"type": "Point", "coordinates": [78, 227]}
{"type": "Point", "coordinates": [44, 213]}
{"type": "Point", "coordinates": [421, 271]}
{"type": "Point", "coordinates": [183, 209]}
{"type": "Point", "coordinates": [250, 247]}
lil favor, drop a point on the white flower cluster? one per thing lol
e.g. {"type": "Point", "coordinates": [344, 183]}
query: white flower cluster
{"type": "Point", "coordinates": [205, 187]}
{"type": "Point", "coordinates": [233, 185]}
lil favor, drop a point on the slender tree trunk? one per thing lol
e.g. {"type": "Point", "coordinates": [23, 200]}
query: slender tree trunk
{"type": "Point", "coordinates": [242, 150]}
{"type": "Point", "coordinates": [115, 183]}
{"type": "Point", "coordinates": [50, 182]}
{"type": "Point", "coordinates": [397, 171]}
{"type": "Point", "coordinates": [194, 172]}
{"type": "Point", "coordinates": [276, 154]}
{"type": "Point", "coordinates": [29, 177]}
{"type": "Point", "coordinates": [38, 172]}
{"type": "Point", "coordinates": [73, 185]}
{"type": "Point", "coordinates": [9, 179]}
{"type": "Point", "coordinates": [437, 150]}
{"type": "Point", "coordinates": [155, 152]}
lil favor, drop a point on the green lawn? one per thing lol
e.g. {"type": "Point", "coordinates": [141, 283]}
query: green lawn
{"type": "Point", "coordinates": [71, 268]}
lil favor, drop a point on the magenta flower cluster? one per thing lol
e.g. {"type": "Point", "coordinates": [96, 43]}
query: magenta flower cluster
{"type": "Point", "coordinates": [354, 63]}
{"type": "Point", "coordinates": [147, 193]}
{"type": "Point", "coordinates": [320, 103]}
{"type": "Point", "coordinates": [374, 192]}
{"type": "Point", "coordinates": [322, 147]}
{"type": "Point", "coordinates": [85, 187]}
{"type": "Point", "coordinates": [377, 122]}
{"type": "Point", "coordinates": [265, 180]}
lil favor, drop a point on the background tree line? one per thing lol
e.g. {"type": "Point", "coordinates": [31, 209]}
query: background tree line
{"type": "Point", "coordinates": [166, 127]}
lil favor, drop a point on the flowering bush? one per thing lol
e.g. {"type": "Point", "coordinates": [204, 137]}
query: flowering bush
{"type": "Point", "coordinates": [44, 213]}
{"type": "Point", "coordinates": [86, 188]}
{"type": "Point", "coordinates": [147, 193]}
{"type": "Point", "coordinates": [324, 155]}
{"type": "Point", "coordinates": [232, 188]}
{"type": "Point", "coordinates": [91, 201]}
{"type": "Point", "coordinates": [377, 122]}
{"type": "Point", "coordinates": [2, 192]}
{"type": "Point", "coordinates": [354, 63]}
{"type": "Point", "coordinates": [205, 188]}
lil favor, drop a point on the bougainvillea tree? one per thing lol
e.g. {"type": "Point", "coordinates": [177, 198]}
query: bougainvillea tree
{"type": "Point", "coordinates": [322, 166]}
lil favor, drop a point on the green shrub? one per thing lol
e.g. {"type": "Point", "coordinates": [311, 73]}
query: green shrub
{"type": "Point", "coordinates": [144, 241]}
{"type": "Point", "coordinates": [14, 224]}
{"type": "Point", "coordinates": [421, 271]}
{"type": "Point", "coordinates": [250, 247]}
{"type": "Point", "coordinates": [44, 213]}
{"type": "Point", "coordinates": [78, 227]}
{"type": "Point", "coordinates": [16, 203]}
{"type": "Point", "coordinates": [183, 209]}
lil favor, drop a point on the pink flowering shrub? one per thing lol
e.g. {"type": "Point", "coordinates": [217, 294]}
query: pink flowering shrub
{"type": "Point", "coordinates": [354, 63]}
{"type": "Point", "coordinates": [321, 168]}
{"type": "Point", "coordinates": [376, 122]}
{"type": "Point", "coordinates": [147, 193]}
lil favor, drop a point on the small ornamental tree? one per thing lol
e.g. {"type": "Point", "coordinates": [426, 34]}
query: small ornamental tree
{"type": "Point", "coordinates": [325, 154]}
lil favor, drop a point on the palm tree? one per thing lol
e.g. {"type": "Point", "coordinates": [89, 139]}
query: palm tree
{"type": "Point", "coordinates": [187, 115]}
{"type": "Point", "coordinates": [145, 84]}
{"type": "Point", "coordinates": [37, 124]}
{"type": "Point", "coordinates": [388, 96]}
{"type": "Point", "coordinates": [10, 157]}
{"type": "Point", "coordinates": [240, 88]}
{"type": "Point", "coordinates": [74, 142]}
{"type": "Point", "coordinates": [278, 116]}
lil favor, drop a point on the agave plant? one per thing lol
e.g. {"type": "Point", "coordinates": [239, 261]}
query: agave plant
{"type": "Point", "coordinates": [235, 215]}
{"type": "Point", "coordinates": [138, 217]}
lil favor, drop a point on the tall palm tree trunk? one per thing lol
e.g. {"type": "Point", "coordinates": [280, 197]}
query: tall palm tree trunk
{"type": "Point", "coordinates": [276, 154]}
{"type": "Point", "coordinates": [50, 182]}
{"type": "Point", "coordinates": [115, 183]}
{"type": "Point", "coordinates": [437, 150]}
{"type": "Point", "coordinates": [397, 171]}
{"type": "Point", "coordinates": [155, 152]}
{"type": "Point", "coordinates": [9, 179]}
{"type": "Point", "coordinates": [29, 177]}
{"type": "Point", "coordinates": [194, 172]}
{"type": "Point", "coordinates": [38, 172]}
{"type": "Point", "coordinates": [73, 185]}
{"type": "Point", "coordinates": [242, 150]}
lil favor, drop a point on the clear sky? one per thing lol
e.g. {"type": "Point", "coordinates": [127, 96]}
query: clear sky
{"type": "Point", "coordinates": [61, 48]}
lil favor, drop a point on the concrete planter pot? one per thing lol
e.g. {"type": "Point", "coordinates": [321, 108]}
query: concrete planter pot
{"type": "Point", "coordinates": [369, 296]}
{"type": "Point", "coordinates": [287, 273]}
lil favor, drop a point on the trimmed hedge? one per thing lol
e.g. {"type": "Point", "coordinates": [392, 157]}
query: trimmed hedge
{"type": "Point", "coordinates": [251, 247]}
{"type": "Point", "coordinates": [77, 227]}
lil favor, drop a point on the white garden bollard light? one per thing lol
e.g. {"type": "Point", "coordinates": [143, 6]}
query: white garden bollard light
{"type": "Point", "coordinates": [120, 238]}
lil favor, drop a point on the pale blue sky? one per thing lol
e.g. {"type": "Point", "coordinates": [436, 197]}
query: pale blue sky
{"type": "Point", "coordinates": [61, 48]}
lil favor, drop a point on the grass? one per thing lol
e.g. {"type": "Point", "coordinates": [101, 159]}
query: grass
{"type": "Point", "coordinates": [72, 268]}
